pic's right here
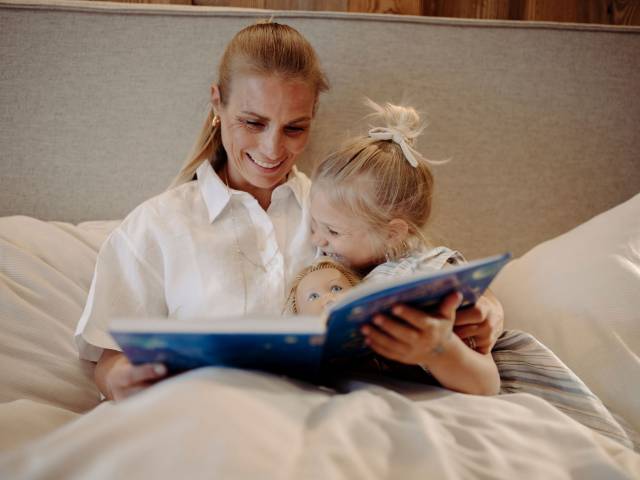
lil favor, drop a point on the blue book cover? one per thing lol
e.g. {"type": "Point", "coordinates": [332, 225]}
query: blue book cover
{"type": "Point", "coordinates": [310, 348]}
{"type": "Point", "coordinates": [291, 346]}
{"type": "Point", "coordinates": [344, 343]}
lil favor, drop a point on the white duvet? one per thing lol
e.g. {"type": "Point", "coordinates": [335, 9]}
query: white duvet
{"type": "Point", "coordinates": [218, 423]}
{"type": "Point", "coordinates": [222, 423]}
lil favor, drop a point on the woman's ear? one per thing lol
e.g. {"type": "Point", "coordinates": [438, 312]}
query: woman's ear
{"type": "Point", "coordinates": [397, 230]}
{"type": "Point", "coordinates": [215, 97]}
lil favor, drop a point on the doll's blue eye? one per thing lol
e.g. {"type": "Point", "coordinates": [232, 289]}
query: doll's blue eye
{"type": "Point", "coordinates": [313, 296]}
{"type": "Point", "coordinates": [336, 288]}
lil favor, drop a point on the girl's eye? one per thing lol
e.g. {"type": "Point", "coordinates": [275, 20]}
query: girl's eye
{"type": "Point", "coordinates": [312, 297]}
{"type": "Point", "coordinates": [336, 288]}
{"type": "Point", "coordinates": [332, 232]}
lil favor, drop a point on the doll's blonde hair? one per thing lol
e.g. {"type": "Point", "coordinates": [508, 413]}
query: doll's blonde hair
{"type": "Point", "coordinates": [266, 48]}
{"type": "Point", "coordinates": [324, 263]}
{"type": "Point", "coordinates": [374, 181]}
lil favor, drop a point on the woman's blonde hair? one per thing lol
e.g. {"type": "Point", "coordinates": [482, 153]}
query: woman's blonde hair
{"type": "Point", "coordinates": [266, 48]}
{"type": "Point", "coordinates": [374, 181]}
{"type": "Point", "coordinates": [324, 263]}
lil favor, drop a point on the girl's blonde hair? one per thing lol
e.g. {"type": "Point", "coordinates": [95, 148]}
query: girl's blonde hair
{"type": "Point", "coordinates": [324, 263]}
{"type": "Point", "coordinates": [266, 48]}
{"type": "Point", "coordinates": [373, 180]}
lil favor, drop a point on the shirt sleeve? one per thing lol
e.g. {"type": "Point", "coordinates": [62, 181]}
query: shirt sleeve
{"type": "Point", "coordinates": [125, 284]}
{"type": "Point", "coordinates": [424, 261]}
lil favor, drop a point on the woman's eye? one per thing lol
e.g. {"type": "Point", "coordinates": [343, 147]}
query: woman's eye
{"type": "Point", "coordinates": [295, 130]}
{"type": "Point", "coordinates": [332, 232]}
{"type": "Point", "coordinates": [312, 297]}
{"type": "Point", "coordinates": [336, 288]}
{"type": "Point", "coordinates": [253, 124]}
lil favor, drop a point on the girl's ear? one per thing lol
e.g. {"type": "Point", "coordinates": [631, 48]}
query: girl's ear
{"type": "Point", "coordinates": [397, 230]}
{"type": "Point", "coordinates": [215, 97]}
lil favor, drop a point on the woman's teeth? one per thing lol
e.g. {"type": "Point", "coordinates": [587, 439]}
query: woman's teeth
{"type": "Point", "coordinates": [264, 165]}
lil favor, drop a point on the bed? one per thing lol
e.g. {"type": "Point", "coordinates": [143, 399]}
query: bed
{"type": "Point", "coordinates": [100, 103]}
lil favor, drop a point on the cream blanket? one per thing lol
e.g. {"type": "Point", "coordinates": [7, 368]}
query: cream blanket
{"type": "Point", "coordinates": [223, 423]}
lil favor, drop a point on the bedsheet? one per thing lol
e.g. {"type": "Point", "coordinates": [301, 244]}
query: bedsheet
{"type": "Point", "coordinates": [247, 424]}
{"type": "Point", "coordinates": [225, 423]}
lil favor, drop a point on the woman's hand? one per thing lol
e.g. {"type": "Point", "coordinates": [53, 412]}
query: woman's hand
{"type": "Point", "coordinates": [481, 325]}
{"type": "Point", "coordinates": [419, 337]}
{"type": "Point", "coordinates": [118, 379]}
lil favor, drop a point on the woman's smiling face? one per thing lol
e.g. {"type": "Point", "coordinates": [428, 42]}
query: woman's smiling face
{"type": "Point", "coordinates": [265, 126]}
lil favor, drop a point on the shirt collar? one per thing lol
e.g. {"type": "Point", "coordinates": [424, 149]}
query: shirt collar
{"type": "Point", "coordinates": [298, 183]}
{"type": "Point", "coordinates": [214, 191]}
{"type": "Point", "coordinates": [216, 194]}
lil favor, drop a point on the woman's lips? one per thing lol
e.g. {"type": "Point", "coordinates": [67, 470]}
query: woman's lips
{"type": "Point", "coordinates": [264, 165]}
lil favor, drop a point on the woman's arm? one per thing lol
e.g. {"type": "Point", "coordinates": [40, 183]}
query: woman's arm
{"type": "Point", "coordinates": [428, 340]}
{"type": "Point", "coordinates": [118, 379]}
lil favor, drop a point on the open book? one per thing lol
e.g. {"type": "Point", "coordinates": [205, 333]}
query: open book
{"type": "Point", "coordinates": [311, 348]}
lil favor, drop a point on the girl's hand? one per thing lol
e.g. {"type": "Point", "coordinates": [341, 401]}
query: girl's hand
{"type": "Point", "coordinates": [481, 325]}
{"type": "Point", "coordinates": [118, 379]}
{"type": "Point", "coordinates": [416, 341]}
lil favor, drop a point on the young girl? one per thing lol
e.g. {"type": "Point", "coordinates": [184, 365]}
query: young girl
{"type": "Point", "coordinates": [370, 202]}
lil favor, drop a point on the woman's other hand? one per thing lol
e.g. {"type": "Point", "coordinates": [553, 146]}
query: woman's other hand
{"type": "Point", "coordinates": [481, 325]}
{"type": "Point", "coordinates": [118, 379]}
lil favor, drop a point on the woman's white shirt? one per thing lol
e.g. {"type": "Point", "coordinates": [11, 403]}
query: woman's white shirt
{"type": "Point", "coordinates": [198, 250]}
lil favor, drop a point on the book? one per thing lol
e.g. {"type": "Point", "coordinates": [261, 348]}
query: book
{"type": "Point", "coordinates": [307, 347]}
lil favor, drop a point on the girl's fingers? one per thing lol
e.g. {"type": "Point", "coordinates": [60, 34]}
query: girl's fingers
{"type": "Point", "coordinates": [402, 333]}
{"type": "Point", "coordinates": [386, 352]}
{"type": "Point", "coordinates": [381, 339]}
{"type": "Point", "coordinates": [416, 318]}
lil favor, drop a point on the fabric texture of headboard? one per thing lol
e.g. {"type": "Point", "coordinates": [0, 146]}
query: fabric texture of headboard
{"type": "Point", "coordinates": [101, 103]}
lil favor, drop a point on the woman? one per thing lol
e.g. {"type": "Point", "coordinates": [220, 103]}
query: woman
{"type": "Point", "coordinates": [233, 232]}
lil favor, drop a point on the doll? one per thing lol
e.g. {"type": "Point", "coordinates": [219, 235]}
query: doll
{"type": "Point", "coordinates": [318, 286]}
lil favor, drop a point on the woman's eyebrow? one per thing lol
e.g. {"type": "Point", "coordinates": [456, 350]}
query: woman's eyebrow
{"type": "Point", "coordinates": [266, 119]}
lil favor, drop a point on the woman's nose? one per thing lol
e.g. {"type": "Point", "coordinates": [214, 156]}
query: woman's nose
{"type": "Point", "coordinates": [272, 144]}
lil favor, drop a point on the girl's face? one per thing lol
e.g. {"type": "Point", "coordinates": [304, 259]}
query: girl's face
{"type": "Point", "coordinates": [319, 289]}
{"type": "Point", "coordinates": [265, 126]}
{"type": "Point", "coordinates": [342, 237]}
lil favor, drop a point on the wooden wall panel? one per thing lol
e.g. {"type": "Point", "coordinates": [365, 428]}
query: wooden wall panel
{"type": "Point", "coordinates": [402, 7]}
{"type": "Point", "coordinates": [487, 9]}
{"type": "Point", "coordinates": [329, 5]}
{"type": "Point", "coordinates": [613, 12]}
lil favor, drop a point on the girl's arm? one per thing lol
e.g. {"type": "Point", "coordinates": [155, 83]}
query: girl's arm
{"type": "Point", "coordinates": [117, 379]}
{"type": "Point", "coordinates": [428, 341]}
{"type": "Point", "coordinates": [462, 369]}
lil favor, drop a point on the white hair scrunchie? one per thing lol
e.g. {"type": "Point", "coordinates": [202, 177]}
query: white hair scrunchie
{"type": "Point", "coordinates": [384, 133]}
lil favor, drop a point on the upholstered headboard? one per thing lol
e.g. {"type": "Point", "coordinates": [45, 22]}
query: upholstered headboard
{"type": "Point", "coordinates": [101, 103]}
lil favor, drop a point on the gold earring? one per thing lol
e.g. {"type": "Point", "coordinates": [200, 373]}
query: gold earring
{"type": "Point", "coordinates": [216, 121]}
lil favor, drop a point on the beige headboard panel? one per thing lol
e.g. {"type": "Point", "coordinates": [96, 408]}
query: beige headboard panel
{"type": "Point", "coordinates": [101, 102]}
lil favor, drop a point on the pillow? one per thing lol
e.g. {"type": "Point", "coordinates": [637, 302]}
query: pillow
{"type": "Point", "coordinates": [579, 294]}
{"type": "Point", "coordinates": [45, 274]}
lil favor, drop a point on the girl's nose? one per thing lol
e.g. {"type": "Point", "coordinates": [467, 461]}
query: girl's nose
{"type": "Point", "coordinates": [318, 240]}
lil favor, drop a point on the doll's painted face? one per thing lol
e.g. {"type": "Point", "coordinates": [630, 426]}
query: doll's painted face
{"type": "Point", "coordinates": [319, 289]}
